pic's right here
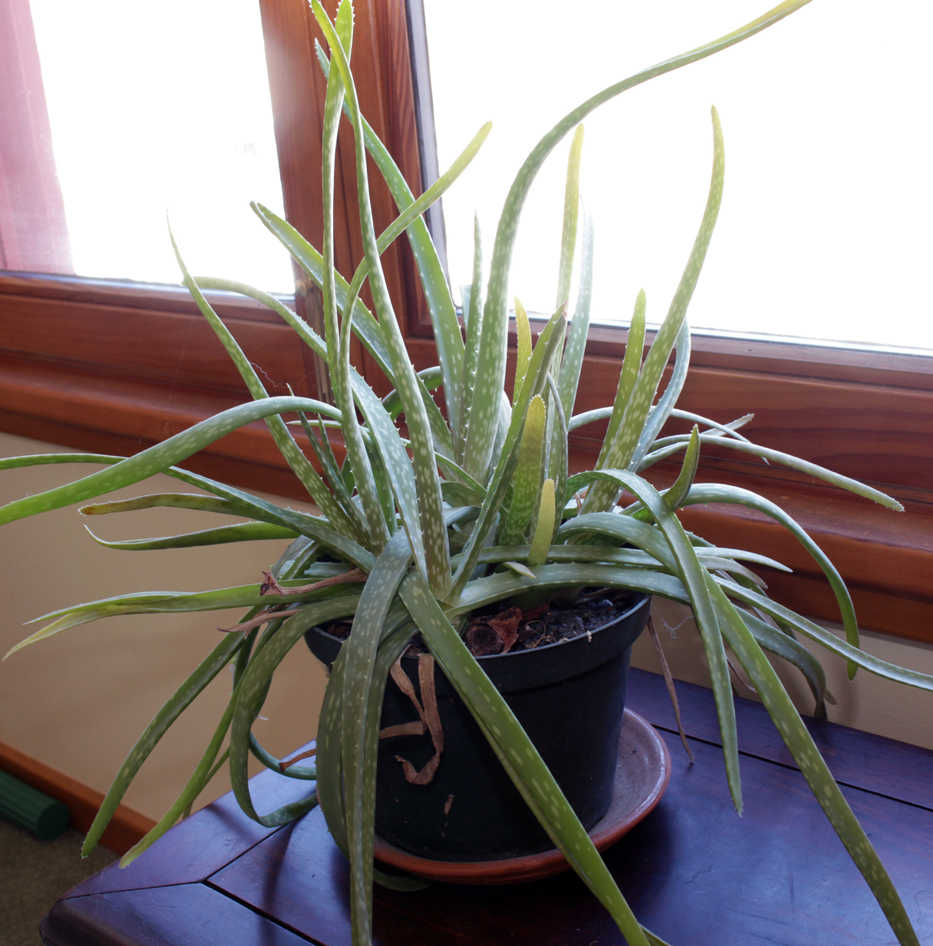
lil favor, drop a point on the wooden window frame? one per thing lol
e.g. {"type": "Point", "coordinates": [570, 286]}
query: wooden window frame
{"type": "Point", "coordinates": [114, 367]}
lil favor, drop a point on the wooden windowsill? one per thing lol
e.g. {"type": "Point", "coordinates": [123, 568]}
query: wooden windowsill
{"type": "Point", "coordinates": [885, 557]}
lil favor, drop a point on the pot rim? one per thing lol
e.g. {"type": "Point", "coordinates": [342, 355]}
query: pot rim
{"type": "Point", "coordinates": [539, 664]}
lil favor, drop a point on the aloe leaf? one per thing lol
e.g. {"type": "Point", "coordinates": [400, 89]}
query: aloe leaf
{"type": "Point", "coordinates": [154, 602]}
{"type": "Point", "coordinates": [311, 527]}
{"type": "Point", "coordinates": [620, 451]}
{"type": "Point", "coordinates": [814, 469]}
{"type": "Point", "coordinates": [662, 410]}
{"type": "Point", "coordinates": [568, 236]}
{"type": "Point", "coordinates": [430, 501]}
{"type": "Point", "coordinates": [417, 206]}
{"type": "Point", "coordinates": [625, 529]}
{"type": "Point", "coordinates": [783, 645]}
{"type": "Point", "coordinates": [493, 356]}
{"type": "Point", "coordinates": [612, 554]}
{"type": "Point", "coordinates": [47, 459]}
{"type": "Point", "coordinates": [473, 312]}
{"type": "Point", "coordinates": [231, 501]}
{"type": "Point", "coordinates": [250, 693]}
{"type": "Point", "coordinates": [679, 489]}
{"type": "Point", "coordinates": [544, 525]}
{"type": "Point", "coordinates": [364, 323]}
{"type": "Point", "coordinates": [395, 473]}
{"type": "Point", "coordinates": [239, 501]}
{"type": "Point", "coordinates": [297, 461]}
{"type": "Point", "coordinates": [238, 532]}
{"type": "Point", "coordinates": [664, 447]}
{"type": "Point", "coordinates": [729, 429]}
{"type": "Point", "coordinates": [526, 481]}
{"type": "Point", "coordinates": [533, 383]}
{"type": "Point", "coordinates": [159, 458]}
{"type": "Point", "coordinates": [812, 767]}
{"type": "Point", "coordinates": [713, 493]}
{"type": "Point", "coordinates": [557, 452]}
{"type": "Point", "coordinates": [320, 445]}
{"type": "Point", "coordinates": [202, 774]}
{"type": "Point", "coordinates": [480, 592]}
{"type": "Point", "coordinates": [338, 356]}
{"type": "Point", "coordinates": [297, 324]}
{"type": "Point", "coordinates": [628, 375]}
{"type": "Point", "coordinates": [305, 773]}
{"type": "Point", "coordinates": [430, 269]}
{"type": "Point", "coordinates": [517, 753]}
{"type": "Point", "coordinates": [693, 576]}
{"type": "Point", "coordinates": [827, 639]}
{"type": "Point", "coordinates": [167, 500]}
{"type": "Point", "coordinates": [523, 343]}
{"type": "Point", "coordinates": [572, 362]}
{"type": "Point", "coordinates": [329, 757]}
{"type": "Point", "coordinates": [359, 749]}
{"type": "Point", "coordinates": [172, 709]}
{"type": "Point", "coordinates": [361, 388]}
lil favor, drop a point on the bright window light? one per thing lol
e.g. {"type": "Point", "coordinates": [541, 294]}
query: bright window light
{"type": "Point", "coordinates": [824, 232]}
{"type": "Point", "coordinates": [162, 111]}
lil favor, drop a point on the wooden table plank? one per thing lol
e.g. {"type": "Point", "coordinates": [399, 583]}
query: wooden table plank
{"type": "Point", "coordinates": [776, 875]}
{"type": "Point", "coordinates": [184, 915]}
{"type": "Point", "coordinates": [200, 845]}
{"type": "Point", "coordinates": [693, 871]}
{"type": "Point", "coordinates": [862, 760]}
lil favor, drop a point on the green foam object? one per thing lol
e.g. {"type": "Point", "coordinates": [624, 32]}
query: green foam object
{"type": "Point", "coordinates": [45, 817]}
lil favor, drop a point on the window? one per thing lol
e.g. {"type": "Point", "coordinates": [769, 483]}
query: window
{"type": "Point", "coordinates": [826, 164]}
{"type": "Point", "coordinates": [179, 126]}
{"type": "Point", "coordinates": [113, 366]}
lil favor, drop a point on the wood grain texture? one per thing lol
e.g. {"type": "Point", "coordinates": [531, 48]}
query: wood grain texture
{"type": "Point", "coordinates": [151, 917]}
{"type": "Point", "coordinates": [857, 759]}
{"type": "Point", "coordinates": [693, 870]}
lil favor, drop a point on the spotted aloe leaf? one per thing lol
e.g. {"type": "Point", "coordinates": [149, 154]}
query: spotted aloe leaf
{"type": "Point", "coordinates": [360, 719]}
{"type": "Point", "coordinates": [338, 362]}
{"type": "Point", "coordinates": [534, 382]}
{"type": "Point", "coordinates": [237, 532]}
{"type": "Point", "coordinates": [159, 458]}
{"type": "Point", "coordinates": [628, 375]}
{"type": "Point", "coordinates": [430, 269]}
{"type": "Point", "coordinates": [430, 500]}
{"type": "Point", "coordinates": [250, 693]}
{"type": "Point", "coordinates": [620, 451]}
{"type": "Point", "coordinates": [526, 480]}
{"type": "Point", "coordinates": [342, 518]}
{"type": "Point", "coordinates": [812, 766]}
{"type": "Point", "coordinates": [495, 318]}
{"type": "Point", "coordinates": [544, 525]}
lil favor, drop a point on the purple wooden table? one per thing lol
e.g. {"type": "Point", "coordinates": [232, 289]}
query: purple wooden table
{"type": "Point", "coordinates": [693, 871]}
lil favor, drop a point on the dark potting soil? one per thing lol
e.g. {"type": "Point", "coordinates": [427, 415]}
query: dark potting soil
{"type": "Point", "coordinates": [500, 629]}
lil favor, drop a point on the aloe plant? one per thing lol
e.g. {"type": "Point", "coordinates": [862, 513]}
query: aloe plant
{"type": "Point", "coordinates": [472, 505]}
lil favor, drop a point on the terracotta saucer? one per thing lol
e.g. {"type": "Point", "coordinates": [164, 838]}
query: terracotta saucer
{"type": "Point", "coordinates": [641, 778]}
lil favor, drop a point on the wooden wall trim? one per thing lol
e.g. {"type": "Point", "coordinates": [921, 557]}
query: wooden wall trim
{"type": "Point", "coordinates": [126, 827]}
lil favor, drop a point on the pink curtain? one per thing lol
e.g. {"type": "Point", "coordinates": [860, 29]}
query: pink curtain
{"type": "Point", "coordinates": [33, 231]}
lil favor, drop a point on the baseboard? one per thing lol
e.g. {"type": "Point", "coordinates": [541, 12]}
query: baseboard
{"type": "Point", "coordinates": [126, 827]}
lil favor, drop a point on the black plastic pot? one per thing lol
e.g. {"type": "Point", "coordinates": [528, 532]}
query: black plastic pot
{"type": "Point", "coordinates": [569, 697]}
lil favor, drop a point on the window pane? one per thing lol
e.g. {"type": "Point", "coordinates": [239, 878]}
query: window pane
{"type": "Point", "coordinates": [824, 230]}
{"type": "Point", "coordinates": [155, 111]}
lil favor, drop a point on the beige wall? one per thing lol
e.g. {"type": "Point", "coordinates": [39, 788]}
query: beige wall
{"type": "Point", "coordinates": [77, 701]}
